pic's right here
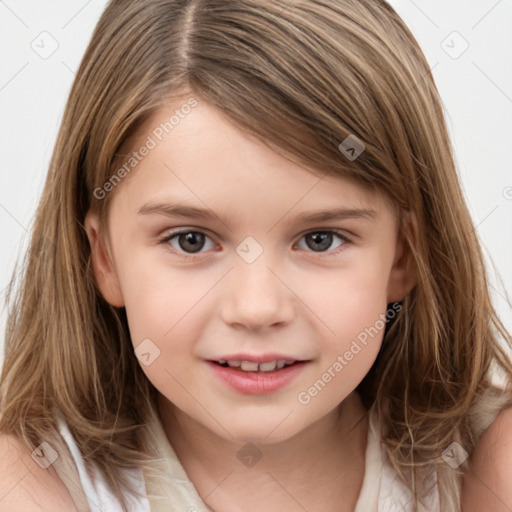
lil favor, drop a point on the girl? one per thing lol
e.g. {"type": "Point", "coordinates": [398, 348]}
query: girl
{"type": "Point", "coordinates": [253, 281]}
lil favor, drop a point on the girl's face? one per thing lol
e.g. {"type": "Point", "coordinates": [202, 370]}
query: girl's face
{"type": "Point", "coordinates": [260, 273]}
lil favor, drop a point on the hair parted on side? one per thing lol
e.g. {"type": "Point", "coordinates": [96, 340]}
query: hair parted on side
{"type": "Point", "coordinates": [301, 76]}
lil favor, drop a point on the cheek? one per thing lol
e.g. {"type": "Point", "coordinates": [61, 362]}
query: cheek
{"type": "Point", "coordinates": [354, 310]}
{"type": "Point", "coordinates": [159, 298]}
{"type": "Point", "coordinates": [353, 299]}
{"type": "Point", "coordinates": [163, 335]}
{"type": "Point", "coordinates": [165, 313]}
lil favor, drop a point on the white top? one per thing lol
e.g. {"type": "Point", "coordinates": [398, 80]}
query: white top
{"type": "Point", "coordinates": [381, 491]}
{"type": "Point", "coordinates": [99, 497]}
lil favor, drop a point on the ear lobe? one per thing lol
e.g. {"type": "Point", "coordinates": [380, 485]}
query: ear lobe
{"type": "Point", "coordinates": [402, 277]}
{"type": "Point", "coordinates": [103, 267]}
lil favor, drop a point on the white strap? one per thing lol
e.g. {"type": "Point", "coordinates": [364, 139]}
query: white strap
{"type": "Point", "coordinates": [99, 497]}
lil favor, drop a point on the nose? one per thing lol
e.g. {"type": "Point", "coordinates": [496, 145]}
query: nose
{"type": "Point", "coordinates": [256, 296]}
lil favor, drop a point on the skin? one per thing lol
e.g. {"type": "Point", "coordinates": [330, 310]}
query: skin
{"type": "Point", "coordinates": [486, 482]}
{"type": "Point", "coordinates": [310, 304]}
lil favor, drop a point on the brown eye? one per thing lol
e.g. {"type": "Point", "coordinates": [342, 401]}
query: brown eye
{"type": "Point", "coordinates": [191, 242]}
{"type": "Point", "coordinates": [185, 242]}
{"type": "Point", "coordinates": [321, 241]}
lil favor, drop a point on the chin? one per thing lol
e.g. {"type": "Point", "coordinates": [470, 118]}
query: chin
{"type": "Point", "coordinates": [261, 437]}
{"type": "Point", "coordinates": [258, 431]}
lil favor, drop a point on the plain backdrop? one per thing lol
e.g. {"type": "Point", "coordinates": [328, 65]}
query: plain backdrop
{"type": "Point", "coordinates": [467, 44]}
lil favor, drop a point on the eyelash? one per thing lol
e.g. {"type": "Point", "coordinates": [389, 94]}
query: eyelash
{"type": "Point", "coordinates": [168, 237]}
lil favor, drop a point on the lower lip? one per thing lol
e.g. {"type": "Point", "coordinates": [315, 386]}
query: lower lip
{"type": "Point", "coordinates": [257, 383]}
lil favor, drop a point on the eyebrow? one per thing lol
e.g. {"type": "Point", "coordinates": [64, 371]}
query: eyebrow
{"type": "Point", "coordinates": [187, 211]}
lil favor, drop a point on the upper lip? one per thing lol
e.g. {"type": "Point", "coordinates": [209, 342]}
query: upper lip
{"type": "Point", "coordinates": [261, 358]}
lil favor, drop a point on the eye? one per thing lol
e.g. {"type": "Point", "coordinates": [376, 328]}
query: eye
{"type": "Point", "coordinates": [188, 241]}
{"type": "Point", "coordinates": [318, 241]}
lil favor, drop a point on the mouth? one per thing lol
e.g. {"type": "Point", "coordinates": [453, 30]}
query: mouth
{"type": "Point", "coordinates": [255, 367]}
{"type": "Point", "coordinates": [257, 377]}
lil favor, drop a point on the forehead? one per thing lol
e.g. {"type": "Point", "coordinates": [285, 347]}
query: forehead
{"type": "Point", "coordinates": [198, 154]}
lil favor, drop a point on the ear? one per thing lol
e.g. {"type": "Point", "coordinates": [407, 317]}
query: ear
{"type": "Point", "coordinates": [103, 266]}
{"type": "Point", "coordinates": [402, 277]}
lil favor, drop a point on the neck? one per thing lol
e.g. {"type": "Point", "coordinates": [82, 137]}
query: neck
{"type": "Point", "coordinates": [322, 464]}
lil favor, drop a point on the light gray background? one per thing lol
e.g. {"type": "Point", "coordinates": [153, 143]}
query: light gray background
{"type": "Point", "coordinates": [476, 87]}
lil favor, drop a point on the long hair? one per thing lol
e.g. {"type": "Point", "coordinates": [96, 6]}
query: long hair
{"type": "Point", "coordinates": [302, 76]}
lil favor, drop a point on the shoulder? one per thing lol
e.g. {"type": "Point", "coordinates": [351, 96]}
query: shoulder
{"type": "Point", "coordinates": [24, 485]}
{"type": "Point", "coordinates": [486, 483]}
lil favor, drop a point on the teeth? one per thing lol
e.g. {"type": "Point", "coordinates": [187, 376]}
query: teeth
{"type": "Point", "coordinates": [268, 367]}
{"type": "Point", "coordinates": [250, 366]}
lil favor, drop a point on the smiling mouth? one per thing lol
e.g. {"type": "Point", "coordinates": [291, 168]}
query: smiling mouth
{"type": "Point", "coordinates": [251, 366]}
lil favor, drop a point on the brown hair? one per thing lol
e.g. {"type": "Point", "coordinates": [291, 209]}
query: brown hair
{"type": "Point", "coordinates": [302, 76]}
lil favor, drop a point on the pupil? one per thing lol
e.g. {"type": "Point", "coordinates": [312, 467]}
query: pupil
{"type": "Point", "coordinates": [324, 239]}
{"type": "Point", "coordinates": [191, 238]}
